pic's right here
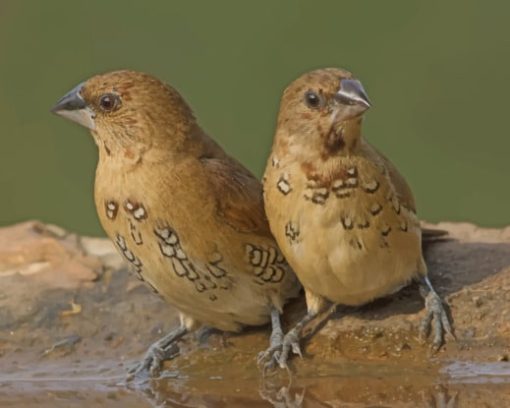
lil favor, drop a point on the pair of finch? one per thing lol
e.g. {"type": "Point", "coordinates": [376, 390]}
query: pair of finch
{"type": "Point", "coordinates": [333, 214]}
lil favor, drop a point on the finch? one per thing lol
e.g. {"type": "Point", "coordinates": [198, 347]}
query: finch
{"type": "Point", "coordinates": [187, 217]}
{"type": "Point", "coordinates": [343, 216]}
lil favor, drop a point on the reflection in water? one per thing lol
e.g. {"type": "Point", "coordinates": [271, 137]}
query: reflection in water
{"type": "Point", "coordinates": [282, 397]}
{"type": "Point", "coordinates": [354, 385]}
{"type": "Point", "coordinates": [331, 391]}
{"type": "Point", "coordinates": [441, 399]}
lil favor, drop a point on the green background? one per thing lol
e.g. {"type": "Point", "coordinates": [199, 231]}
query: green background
{"type": "Point", "coordinates": [437, 73]}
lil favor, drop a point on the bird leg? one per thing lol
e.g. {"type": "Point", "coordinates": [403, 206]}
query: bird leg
{"type": "Point", "coordinates": [270, 356]}
{"type": "Point", "coordinates": [280, 346]}
{"type": "Point", "coordinates": [291, 340]}
{"type": "Point", "coordinates": [435, 314]}
{"type": "Point", "coordinates": [276, 332]}
{"type": "Point", "coordinates": [164, 349]}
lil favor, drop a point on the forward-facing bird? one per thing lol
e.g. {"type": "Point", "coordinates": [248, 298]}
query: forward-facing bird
{"type": "Point", "coordinates": [343, 216]}
{"type": "Point", "coordinates": [188, 217]}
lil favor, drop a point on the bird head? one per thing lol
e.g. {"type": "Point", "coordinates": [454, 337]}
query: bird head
{"type": "Point", "coordinates": [323, 108]}
{"type": "Point", "coordinates": [127, 109]}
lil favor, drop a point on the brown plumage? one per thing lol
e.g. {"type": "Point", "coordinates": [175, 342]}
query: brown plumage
{"type": "Point", "coordinates": [186, 216]}
{"type": "Point", "coordinates": [342, 214]}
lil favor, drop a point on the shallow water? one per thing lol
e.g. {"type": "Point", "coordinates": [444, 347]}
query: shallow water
{"type": "Point", "coordinates": [459, 384]}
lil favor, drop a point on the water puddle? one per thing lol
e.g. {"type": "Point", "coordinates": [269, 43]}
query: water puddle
{"type": "Point", "coordinates": [459, 384]}
{"type": "Point", "coordinates": [478, 373]}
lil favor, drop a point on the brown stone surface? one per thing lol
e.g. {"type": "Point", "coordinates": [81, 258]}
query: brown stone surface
{"type": "Point", "coordinates": [72, 320]}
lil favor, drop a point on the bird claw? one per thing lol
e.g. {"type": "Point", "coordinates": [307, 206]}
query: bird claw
{"type": "Point", "coordinates": [290, 343]}
{"type": "Point", "coordinates": [268, 358]}
{"type": "Point", "coordinates": [296, 349]}
{"type": "Point", "coordinates": [437, 317]}
{"type": "Point", "coordinates": [150, 365]}
{"type": "Point", "coordinates": [279, 353]}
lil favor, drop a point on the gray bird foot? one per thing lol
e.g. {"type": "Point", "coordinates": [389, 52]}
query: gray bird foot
{"type": "Point", "coordinates": [279, 353]}
{"type": "Point", "coordinates": [150, 365]}
{"type": "Point", "coordinates": [436, 317]}
{"type": "Point", "coordinates": [164, 349]}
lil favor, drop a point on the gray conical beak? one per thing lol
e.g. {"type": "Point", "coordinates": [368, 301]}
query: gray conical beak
{"type": "Point", "coordinates": [352, 93]}
{"type": "Point", "coordinates": [73, 107]}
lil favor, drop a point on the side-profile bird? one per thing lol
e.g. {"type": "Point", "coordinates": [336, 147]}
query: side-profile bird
{"type": "Point", "coordinates": [189, 218]}
{"type": "Point", "coordinates": [343, 216]}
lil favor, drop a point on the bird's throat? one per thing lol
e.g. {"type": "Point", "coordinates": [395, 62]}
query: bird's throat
{"type": "Point", "coordinates": [342, 138]}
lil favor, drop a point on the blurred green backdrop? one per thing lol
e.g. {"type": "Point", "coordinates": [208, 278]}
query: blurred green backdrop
{"type": "Point", "coordinates": [437, 73]}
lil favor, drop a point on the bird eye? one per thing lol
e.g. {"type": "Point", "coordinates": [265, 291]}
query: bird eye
{"type": "Point", "coordinates": [312, 100]}
{"type": "Point", "coordinates": [109, 102]}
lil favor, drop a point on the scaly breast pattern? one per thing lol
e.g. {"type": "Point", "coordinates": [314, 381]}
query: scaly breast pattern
{"type": "Point", "coordinates": [346, 234]}
{"type": "Point", "coordinates": [221, 286]}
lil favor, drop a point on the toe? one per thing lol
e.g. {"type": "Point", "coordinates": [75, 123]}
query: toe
{"type": "Point", "coordinates": [151, 364]}
{"type": "Point", "coordinates": [271, 362]}
{"type": "Point", "coordinates": [438, 334]}
{"type": "Point", "coordinates": [154, 369]}
{"type": "Point", "coordinates": [445, 321]}
{"type": "Point", "coordinates": [282, 361]}
{"type": "Point", "coordinates": [425, 325]}
{"type": "Point", "coordinates": [296, 349]}
{"type": "Point", "coordinates": [133, 368]}
{"type": "Point", "coordinates": [262, 358]}
{"type": "Point", "coordinates": [267, 359]}
{"type": "Point", "coordinates": [437, 319]}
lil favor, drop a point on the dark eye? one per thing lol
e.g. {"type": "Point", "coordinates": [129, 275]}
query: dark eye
{"type": "Point", "coordinates": [109, 102]}
{"type": "Point", "coordinates": [312, 99]}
